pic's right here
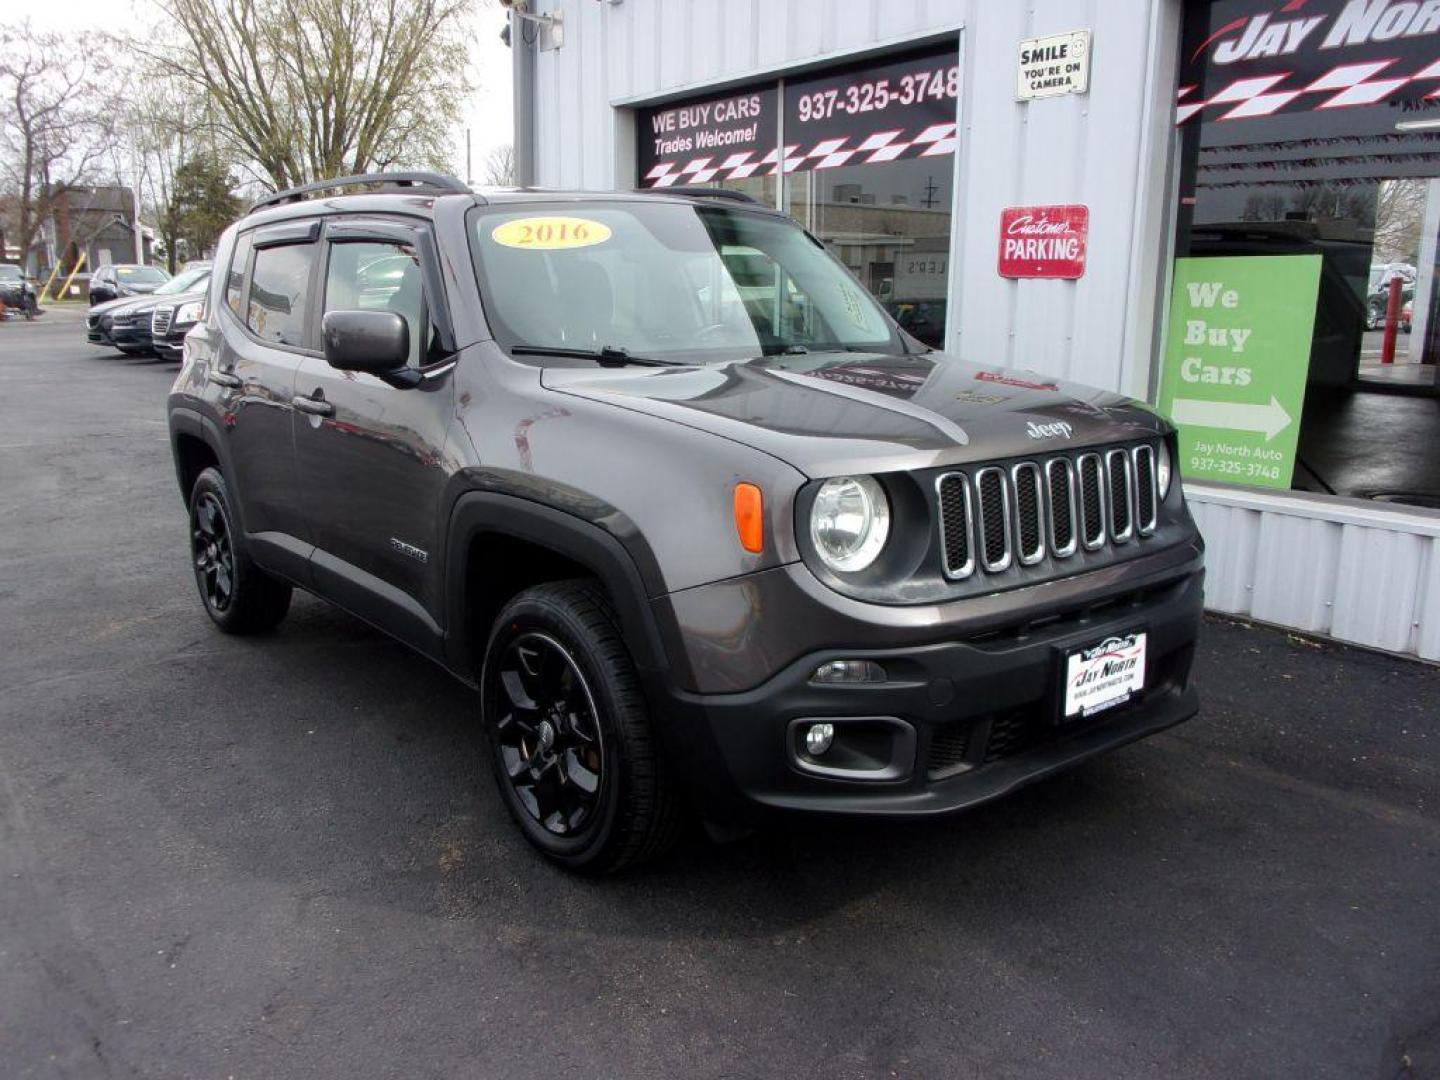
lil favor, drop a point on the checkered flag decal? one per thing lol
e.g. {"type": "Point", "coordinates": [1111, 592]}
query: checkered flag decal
{"type": "Point", "coordinates": [1367, 83]}
{"type": "Point", "coordinates": [933, 141]}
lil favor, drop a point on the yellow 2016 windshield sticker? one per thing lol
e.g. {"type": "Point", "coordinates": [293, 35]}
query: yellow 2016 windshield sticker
{"type": "Point", "coordinates": [550, 233]}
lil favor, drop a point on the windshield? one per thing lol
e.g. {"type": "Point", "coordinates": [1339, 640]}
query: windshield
{"type": "Point", "coordinates": [668, 281]}
{"type": "Point", "coordinates": [189, 280]}
{"type": "Point", "coordinates": [10, 273]}
{"type": "Point", "coordinates": [140, 275]}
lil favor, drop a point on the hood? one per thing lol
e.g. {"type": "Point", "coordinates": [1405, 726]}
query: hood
{"type": "Point", "coordinates": [833, 413]}
{"type": "Point", "coordinates": [112, 307]}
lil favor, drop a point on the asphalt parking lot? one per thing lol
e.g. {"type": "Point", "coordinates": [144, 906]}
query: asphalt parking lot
{"type": "Point", "coordinates": [284, 857]}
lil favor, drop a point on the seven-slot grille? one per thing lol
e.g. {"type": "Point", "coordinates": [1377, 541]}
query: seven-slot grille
{"type": "Point", "coordinates": [997, 515]}
{"type": "Point", "coordinates": [160, 321]}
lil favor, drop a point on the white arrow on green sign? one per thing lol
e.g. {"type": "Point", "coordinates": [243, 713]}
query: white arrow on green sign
{"type": "Point", "coordinates": [1269, 419]}
{"type": "Point", "coordinates": [1237, 354]}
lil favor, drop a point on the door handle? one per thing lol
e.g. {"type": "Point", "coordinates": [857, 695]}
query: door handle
{"type": "Point", "coordinates": [224, 378]}
{"type": "Point", "coordinates": [314, 406]}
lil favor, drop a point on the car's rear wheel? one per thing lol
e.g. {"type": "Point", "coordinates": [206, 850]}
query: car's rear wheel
{"type": "Point", "coordinates": [239, 597]}
{"type": "Point", "coordinates": [574, 752]}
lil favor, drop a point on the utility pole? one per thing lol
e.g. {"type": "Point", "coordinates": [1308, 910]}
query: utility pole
{"type": "Point", "coordinates": [522, 53]}
{"type": "Point", "coordinates": [469, 173]}
{"type": "Point", "coordinates": [135, 199]}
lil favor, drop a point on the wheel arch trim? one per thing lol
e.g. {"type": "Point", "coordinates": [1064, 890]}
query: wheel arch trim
{"type": "Point", "coordinates": [515, 518]}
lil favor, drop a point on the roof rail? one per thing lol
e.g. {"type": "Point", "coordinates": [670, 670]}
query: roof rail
{"type": "Point", "coordinates": [431, 180]}
{"type": "Point", "coordinates": [701, 193]}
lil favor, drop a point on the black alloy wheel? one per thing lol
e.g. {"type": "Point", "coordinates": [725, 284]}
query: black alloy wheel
{"type": "Point", "coordinates": [214, 555]}
{"type": "Point", "coordinates": [239, 597]}
{"type": "Point", "coordinates": [572, 746]}
{"type": "Point", "coordinates": [547, 734]}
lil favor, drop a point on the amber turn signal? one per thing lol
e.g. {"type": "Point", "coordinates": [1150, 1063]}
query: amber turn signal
{"type": "Point", "coordinates": [749, 517]}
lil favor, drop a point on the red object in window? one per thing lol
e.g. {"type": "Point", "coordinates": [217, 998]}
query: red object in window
{"type": "Point", "coordinates": [1043, 241]}
{"type": "Point", "coordinates": [1392, 321]}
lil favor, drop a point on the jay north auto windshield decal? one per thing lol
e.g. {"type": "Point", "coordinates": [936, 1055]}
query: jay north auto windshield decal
{"type": "Point", "coordinates": [1253, 58]}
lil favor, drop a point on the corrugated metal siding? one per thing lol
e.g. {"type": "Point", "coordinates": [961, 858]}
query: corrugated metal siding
{"type": "Point", "coordinates": [1326, 567]}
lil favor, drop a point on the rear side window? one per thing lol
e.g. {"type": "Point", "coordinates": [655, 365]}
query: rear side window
{"type": "Point", "coordinates": [279, 284]}
{"type": "Point", "coordinates": [235, 279]}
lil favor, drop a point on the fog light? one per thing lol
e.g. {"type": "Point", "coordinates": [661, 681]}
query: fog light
{"type": "Point", "coordinates": [818, 738]}
{"type": "Point", "coordinates": [849, 671]}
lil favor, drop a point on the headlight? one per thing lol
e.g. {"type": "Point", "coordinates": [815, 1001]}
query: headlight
{"type": "Point", "coordinates": [194, 311]}
{"type": "Point", "coordinates": [849, 522]}
{"type": "Point", "coordinates": [1162, 469]}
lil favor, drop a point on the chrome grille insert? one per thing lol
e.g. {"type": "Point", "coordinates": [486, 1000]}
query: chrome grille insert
{"type": "Point", "coordinates": [957, 525]}
{"type": "Point", "coordinates": [1147, 496]}
{"type": "Point", "coordinates": [994, 518]}
{"type": "Point", "coordinates": [1030, 531]}
{"type": "Point", "coordinates": [160, 321]}
{"type": "Point", "coordinates": [1117, 467]}
{"type": "Point", "coordinates": [1092, 501]}
{"type": "Point", "coordinates": [1060, 491]}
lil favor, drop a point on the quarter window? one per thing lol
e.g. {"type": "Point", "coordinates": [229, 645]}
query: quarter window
{"type": "Point", "coordinates": [278, 287]}
{"type": "Point", "coordinates": [235, 280]}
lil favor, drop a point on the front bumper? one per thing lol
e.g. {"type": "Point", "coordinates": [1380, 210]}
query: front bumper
{"type": "Point", "coordinates": [132, 336]}
{"type": "Point", "coordinates": [982, 714]}
{"type": "Point", "coordinates": [172, 345]}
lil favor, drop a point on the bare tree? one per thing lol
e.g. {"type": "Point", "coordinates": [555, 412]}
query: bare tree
{"type": "Point", "coordinates": [53, 131]}
{"type": "Point", "coordinates": [1399, 219]}
{"type": "Point", "coordinates": [308, 89]}
{"type": "Point", "coordinates": [500, 166]}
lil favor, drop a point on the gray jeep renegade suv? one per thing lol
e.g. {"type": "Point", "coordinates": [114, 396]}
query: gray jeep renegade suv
{"type": "Point", "coordinates": [703, 527]}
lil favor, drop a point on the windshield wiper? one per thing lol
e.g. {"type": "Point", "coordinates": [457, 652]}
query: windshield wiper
{"type": "Point", "coordinates": [606, 355]}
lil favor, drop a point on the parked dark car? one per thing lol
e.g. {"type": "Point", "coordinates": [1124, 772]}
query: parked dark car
{"type": "Point", "coordinates": [173, 317]}
{"type": "Point", "coordinates": [16, 291]}
{"type": "Point", "coordinates": [116, 281]}
{"type": "Point", "coordinates": [692, 549]}
{"type": "Point", "coordinates": [126, 324]}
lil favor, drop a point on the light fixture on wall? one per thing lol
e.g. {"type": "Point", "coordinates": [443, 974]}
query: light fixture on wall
{"type": "Point", "coordinates": [551, 26]}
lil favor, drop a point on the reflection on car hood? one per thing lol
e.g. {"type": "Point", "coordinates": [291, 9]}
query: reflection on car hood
{"type": "Point", "coordinates": [830, 413]}
{"type": "Point", "coordinates": [112, 307]}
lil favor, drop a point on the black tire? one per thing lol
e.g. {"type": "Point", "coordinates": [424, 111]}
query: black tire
{"type": "Point", "coordinates": [599, 734]}
{"type": "Point", "coordinates": [239, 597]}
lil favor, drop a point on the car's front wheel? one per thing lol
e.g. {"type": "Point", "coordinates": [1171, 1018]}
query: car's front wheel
{"type": "Point", "coordinates": [239, 597]}
{"type": "Point", "coordinates": [573, 748]}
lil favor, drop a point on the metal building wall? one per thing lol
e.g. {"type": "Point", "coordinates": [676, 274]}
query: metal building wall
{"type": "Point", "coordinates": [1348, 570]}
{"type": "Point", "coordinates": [1356, 572]}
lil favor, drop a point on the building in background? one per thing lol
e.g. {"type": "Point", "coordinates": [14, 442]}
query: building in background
{"type": "Point", "coordinates": [1229, 209]}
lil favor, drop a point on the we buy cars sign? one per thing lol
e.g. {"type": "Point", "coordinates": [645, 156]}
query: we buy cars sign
{"type": "Point", "coordinates": [1043, 241]}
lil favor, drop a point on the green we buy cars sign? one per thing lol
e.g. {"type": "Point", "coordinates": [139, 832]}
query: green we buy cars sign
{"type": "Point", "coordinates": [1236, 357]}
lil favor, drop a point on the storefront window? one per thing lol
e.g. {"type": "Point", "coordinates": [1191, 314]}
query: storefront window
{"type": "Point", "coordinates": [1303, 332]}
{"type": "Point", "coordinates": [867, 163]}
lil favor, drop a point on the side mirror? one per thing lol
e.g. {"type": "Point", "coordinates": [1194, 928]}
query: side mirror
{"type": "Point", "coordinates": [375, 342]}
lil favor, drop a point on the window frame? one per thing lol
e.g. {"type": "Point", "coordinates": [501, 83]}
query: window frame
{"type": "Point", "coordinates": [382, 229]}
{"type": "Point", "coordinates": [286, 234]}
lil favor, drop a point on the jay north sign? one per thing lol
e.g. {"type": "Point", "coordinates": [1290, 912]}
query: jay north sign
{"type": "Point", "coordinates": [1246, 59]}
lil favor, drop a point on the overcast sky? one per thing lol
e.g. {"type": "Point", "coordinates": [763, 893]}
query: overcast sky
{"type": "Point", "coordinates": [487, 115]}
